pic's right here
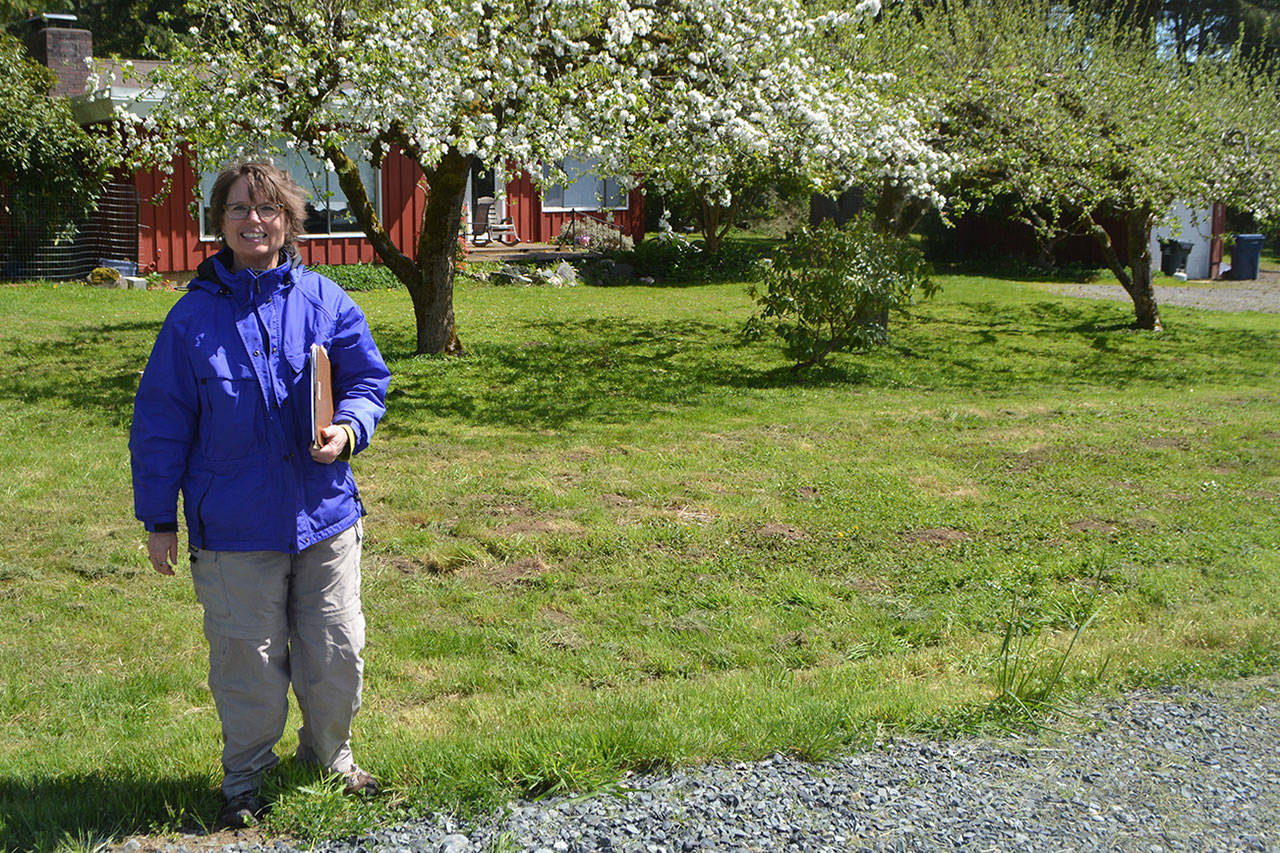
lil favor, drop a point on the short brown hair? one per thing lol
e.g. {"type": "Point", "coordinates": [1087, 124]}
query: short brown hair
{"type": "Point", "coordinates": [267, 183]}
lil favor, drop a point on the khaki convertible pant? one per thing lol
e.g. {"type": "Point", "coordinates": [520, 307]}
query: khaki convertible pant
{"type": "Point", "coordinates": [273, 619]}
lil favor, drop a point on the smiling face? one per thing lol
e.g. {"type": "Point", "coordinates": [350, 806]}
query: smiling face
{"type": "Point", "coordinates": [255, 242]}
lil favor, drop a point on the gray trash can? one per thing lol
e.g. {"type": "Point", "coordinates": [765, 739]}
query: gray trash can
{"type": "Point", "coordinates": [1173, 255]}
{"type": "Point", "coordinates": [1246, 255]}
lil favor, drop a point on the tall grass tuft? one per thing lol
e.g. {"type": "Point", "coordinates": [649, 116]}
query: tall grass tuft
{"type": "Point", "coordinates": [1029, 671]}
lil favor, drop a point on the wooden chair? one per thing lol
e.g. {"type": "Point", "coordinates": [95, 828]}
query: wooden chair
{"type": "Point", "coordinates": [487, 226]}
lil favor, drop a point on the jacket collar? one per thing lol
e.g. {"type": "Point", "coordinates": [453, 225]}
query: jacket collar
{"type": "Point", "coordinates": [215, 275]}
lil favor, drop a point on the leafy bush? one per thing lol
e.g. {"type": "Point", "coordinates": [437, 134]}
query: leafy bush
{"type": "Point", "coordinates": [829, 289]}
{"type": "Point", "coordinates": [51, 170]}
{"type": "Point", "coordinates": [360, 276]}
{"type": "Point", "coordinates": [661, 255]}
{"type": "Point", "coordinates": [673, 257]}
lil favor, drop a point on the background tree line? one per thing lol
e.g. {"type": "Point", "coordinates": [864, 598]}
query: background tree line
{"type": "Point", "coordinates": [1059, 113]}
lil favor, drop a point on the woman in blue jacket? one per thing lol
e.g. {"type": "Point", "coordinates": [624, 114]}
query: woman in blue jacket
{"type": "Point", "coordinates": [223, 416]}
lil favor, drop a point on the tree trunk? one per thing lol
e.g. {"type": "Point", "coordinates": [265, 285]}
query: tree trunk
{"type": "Point", "coordinates": [715, 220]}
{"type": "Point", "coordinates": [1139, 286]}
{"type": "Point", "coordinates": [429, 276]}
{"type": "Point", "coordinates": [432, 290]}
{"type": "Point", "coordinates": [1136, 279]}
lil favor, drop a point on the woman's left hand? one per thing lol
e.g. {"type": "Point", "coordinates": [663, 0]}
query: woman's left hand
{"type": "Point", "coordinates": [335, 441]}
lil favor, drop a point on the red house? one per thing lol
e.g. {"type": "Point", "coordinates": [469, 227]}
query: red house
{"type": "Point", "coordinates": [138, 225]}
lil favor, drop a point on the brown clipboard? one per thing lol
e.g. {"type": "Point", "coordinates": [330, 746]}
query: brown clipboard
{"type": "Point", "coordinates": [321, 394]}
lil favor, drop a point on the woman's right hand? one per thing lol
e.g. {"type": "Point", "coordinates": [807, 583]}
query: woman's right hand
{"type": "Point", "coordinates": [162, 549]}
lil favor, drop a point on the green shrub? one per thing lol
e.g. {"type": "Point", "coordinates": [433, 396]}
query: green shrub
{"type": "Point", "coordinates": [829, 289]}
{"type": "Point", "coordinates": [360, 276]}
{"type": "Point", "coordinates": [676, 258]}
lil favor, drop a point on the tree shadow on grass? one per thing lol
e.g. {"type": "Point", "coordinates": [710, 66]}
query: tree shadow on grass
{"type": "Point", "coordinates": [94, 369]}
{"type": "Point", "coordinates": [550, 374]}
{"type": "Point", "coordinates": [81, 810]}
{"type": "Point", "coordinates": [1004, 268]}
{"type": "Point", "coordinates": [565, 371]}
{"type": "Point", "coordinates": [625, 370]}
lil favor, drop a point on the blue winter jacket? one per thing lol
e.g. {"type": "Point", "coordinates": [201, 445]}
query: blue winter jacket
{"type": "Point", "coordinates": [223, 411]}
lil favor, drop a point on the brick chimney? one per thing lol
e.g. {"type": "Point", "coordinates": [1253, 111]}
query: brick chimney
{"type": "Point", "coordinates": [53, 41]}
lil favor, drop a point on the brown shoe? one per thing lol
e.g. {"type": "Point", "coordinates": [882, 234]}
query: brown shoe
{"type": "Point", "coordinates": [360, 783]}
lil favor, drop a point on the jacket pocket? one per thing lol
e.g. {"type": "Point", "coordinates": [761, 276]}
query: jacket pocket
{"type": "Point", "coordinates": [244, 506]}
{"type": "Point", "coordinates": [232, 420]}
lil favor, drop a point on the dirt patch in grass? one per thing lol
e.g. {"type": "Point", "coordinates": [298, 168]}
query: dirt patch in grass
{"type": "Point", "coordinates": [556, 616]}
{"type": "Point", "coordinates": [611, 499]}
{"type": "Point", "coordinates": [808, 493]}
{"type": "Point", "coordinates": [247, 839]}
{"type": "Point", "coordinates": [692, 515]}
{"type": "Point", "coordinates": [1093, 524]}
{"type": "Point", "coordinates": [509, 574]}
{"type": "Point", "coordinates": [1029, 459]}
{"type": "Point", "coordinates": [866, 586]}
{"type": "Point", "coordinates": [690, 553]}
{"type": "Point", "coordinates": [941, 536]}
{"type": "Point", "coordinates": [784, 531]}
{"type": "Point", "coordinates": [416, 520]}
{"type": "Point", "coordinates": [791, 640]}
{"type": "Point", "coordinates": [943, 490]}
{"type": "Point", "coordinates": [407, 565]}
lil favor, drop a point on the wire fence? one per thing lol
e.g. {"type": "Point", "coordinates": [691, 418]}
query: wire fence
{"type": "Point", "coordinates": [107, 238]}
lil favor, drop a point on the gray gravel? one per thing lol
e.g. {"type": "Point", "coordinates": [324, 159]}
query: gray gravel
{"type": "Point", "coordinates": [1261, 295]}
{"type": "Point", "coordinates": [1169, 769]}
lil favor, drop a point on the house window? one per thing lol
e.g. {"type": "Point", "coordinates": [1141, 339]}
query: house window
{"type": "Point", "coordinates": [328, 211]}
{"type": "Point", "coordinates": [585, 191]}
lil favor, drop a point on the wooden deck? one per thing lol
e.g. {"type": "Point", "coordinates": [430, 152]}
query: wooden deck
{"type": "Point", "coordinates": [536, 252]}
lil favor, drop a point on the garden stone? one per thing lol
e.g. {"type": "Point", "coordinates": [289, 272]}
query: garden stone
{"type": "Point", "coordinates": [510, 275]}
{"type": "Point", "coordinates": [456, 844]}
{"type": "Point", "coordinates": [566, 273]}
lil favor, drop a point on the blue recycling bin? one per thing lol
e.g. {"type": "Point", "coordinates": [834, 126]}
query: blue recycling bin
{"type": "Point", "coordinates": [1246, 255]}
{"type": "Point", "coordinates": [122, 266]}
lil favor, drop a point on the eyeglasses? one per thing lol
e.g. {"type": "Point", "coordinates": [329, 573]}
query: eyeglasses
{"type": "Point", "coordinates": [241, 211]}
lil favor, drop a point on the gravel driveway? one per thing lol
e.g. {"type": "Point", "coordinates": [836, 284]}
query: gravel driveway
{"type": "Point", "coordinates": [1157, 770]}
{"type": "Point", "coordinates": [1260, 295]}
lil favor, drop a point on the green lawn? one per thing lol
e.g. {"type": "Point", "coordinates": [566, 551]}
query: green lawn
{"type": "Point", "coordinates": [613, 536]}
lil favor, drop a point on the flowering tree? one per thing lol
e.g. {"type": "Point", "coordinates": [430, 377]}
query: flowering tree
{"type": "Point", "coordinates": [747, 100]}
{"type": "Point", "coordinates": [1083, 119]}
{"type": "Point", "coordinates": [510, 84]}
